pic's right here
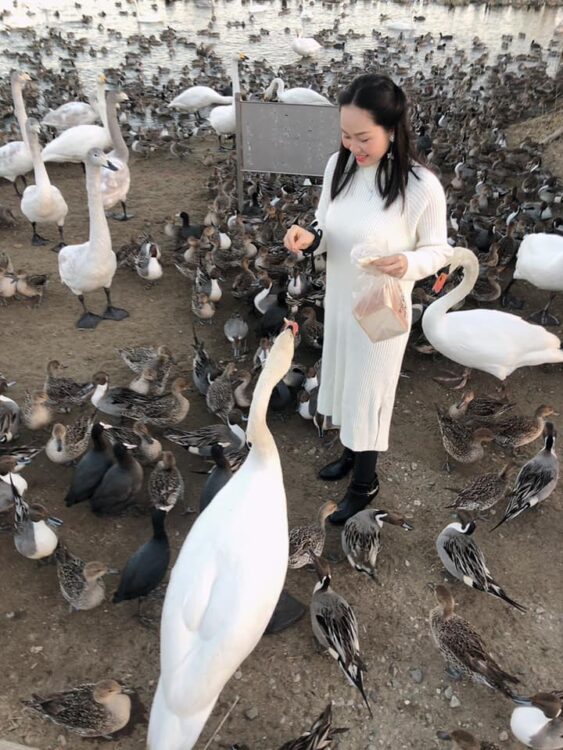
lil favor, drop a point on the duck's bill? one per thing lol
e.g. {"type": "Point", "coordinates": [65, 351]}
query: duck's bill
{"type": "Point", "coordinates": [56, 522]}
{"type": "Point", "coordinates": [443, 735]}
{"type": "Point", "coordinates": [440, 283]}
{"type": "Point", "coordinates": [521, 701]}
{"type": "Point", "coordinates": [291, 324]}
{"type": "Point", "coordinates": [407, 526]}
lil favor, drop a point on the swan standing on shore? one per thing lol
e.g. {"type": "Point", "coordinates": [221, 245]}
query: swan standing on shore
{"type": "Point", "coordinates": [42, 202]}
{"type": "Point", "coordinates": [227, 578]}
{"type": "Point", "coordinates": [540, 262]}
{"type": "Point", "coordinates": [194, 98]}
{"type": "Point", "coordinates": [91, 265]}
{"type": "Point", "coordinates": [298, 95]}
{"type": "Point", "coordinates": [115, 184]}
{"type": "Point", "coordinates": [74, 144]}
{"type": "Point", "coordinates": [15, 157]}
{"type": "Point", "coordinates": [488, 340]}
{"type": "Point", "coordinates": [70, 114]}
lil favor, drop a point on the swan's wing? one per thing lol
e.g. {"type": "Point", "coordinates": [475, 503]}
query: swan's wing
{"type": "Point", "coordinates": [69, 263]}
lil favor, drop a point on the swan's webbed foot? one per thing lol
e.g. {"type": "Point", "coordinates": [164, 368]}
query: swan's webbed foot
{"type": "Point", "coordinates": [89, 321]}
{"type": "Point", "coordinates": [123, 216]}
{"type": "Point", "coordinates": [114, 313]}
{"type": "Point", "coordinates": [38, 241]}
{"type": "Point", "coordinates": [58, 246]}
{"type": "Point", "coordinates": [543, 318]}
{"type": "Point", "coordinates": [513, 303]}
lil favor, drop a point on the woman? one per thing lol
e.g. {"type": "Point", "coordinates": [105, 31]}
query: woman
{"type": "Point", "coordinates": [374, 189]}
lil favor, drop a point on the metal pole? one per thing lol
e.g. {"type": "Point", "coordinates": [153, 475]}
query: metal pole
{"type": "Point", "coordinates": [238, 136]}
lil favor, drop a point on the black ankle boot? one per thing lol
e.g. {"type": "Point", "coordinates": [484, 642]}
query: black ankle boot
{"type": "Point", "coordinates": [357, 497]}
{"type": "Point", "coordinates": [338, 469]}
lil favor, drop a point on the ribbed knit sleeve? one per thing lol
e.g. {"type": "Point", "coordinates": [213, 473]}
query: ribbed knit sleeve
{"type": "Point", "coordinates": [427, 211]}
{"type": "Point", "coordinates": [324, 200]}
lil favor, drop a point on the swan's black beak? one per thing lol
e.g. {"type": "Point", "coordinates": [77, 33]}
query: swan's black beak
{"type": "Point", "coordinates": [110, 165]}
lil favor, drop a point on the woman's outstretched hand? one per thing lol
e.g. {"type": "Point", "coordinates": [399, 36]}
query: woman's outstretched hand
{"type": "Point", "coordinates": [297, 239]}
{"type": "Point", "coordinates": [393, 265]}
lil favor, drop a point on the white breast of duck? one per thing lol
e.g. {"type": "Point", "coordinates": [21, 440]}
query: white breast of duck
{"type": "Point", "coordinates": [98, 394]}
{"type": "Point", "coordinates": [45, 540]}
{"type": "Point", "coordinates": [215, 293]}
{"type": "Point", "coordinates": [527, 723]}
{"type": "Point", "coordinates": [17, 480]}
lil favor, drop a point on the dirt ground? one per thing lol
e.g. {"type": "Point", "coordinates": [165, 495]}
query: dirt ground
{"type": "Point", "coordinates": [285, 683]}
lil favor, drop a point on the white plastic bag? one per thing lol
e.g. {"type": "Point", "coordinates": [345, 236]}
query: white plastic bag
{"type": "Point", "coordinates": [378, 301]}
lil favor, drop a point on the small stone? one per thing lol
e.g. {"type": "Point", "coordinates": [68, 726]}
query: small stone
{"type": "Point", "coordinates": [455, 702]}
{"type": "Point", "coordinates": [251, 713]}
{"type": "Point", "coordinates": [414, 466]}
{"type": "Point", "coordinates": [238, 674]}
{"type": "Point", "coordinates": [36, 649]}
{"type": "Point", "coordinates": [416, 675]}
{"type": "Point", "coordinates": [540, 611]}
{"type": "Point", "coordinates": [296, 678]}
{"type": "Point", "coordinates": [448, 692]}
{"type": "Point", "coordinates": [503, 736]}
{"type": "Point", "coordinates": [10, 615]}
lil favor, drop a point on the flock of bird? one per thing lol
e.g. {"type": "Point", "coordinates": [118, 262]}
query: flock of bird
{"type": "Point", "coordinates": [505, 222]}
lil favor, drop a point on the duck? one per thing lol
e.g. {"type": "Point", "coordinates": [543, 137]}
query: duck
{"type": "Point", "coordinates": [312, 330]}
{"type": "Point", "coordinates": [43, 202]}
{"type": "Point", "coordinates": [64, 393]}
{"type": "Point", "coordinates": [298, 95]}
{"type": "Point", "coordinates": [463, 559]}
{"type": "Point", "coordinates": [204, 367]}
{"type": "Point", "coordinates": [138, 357]}
{"type": "Point", "coordinates": [461, 440]}
{"type": "Point", "coordinates": [233, 560]}
{"type": "Point", "coordinates": [161, 411]}
{"type": "Point", "coordinates": [241, 392]}
{"type": "Point", "coordinates": [15, 156]}
{"type": "Point", "coordinates": [483, 491]}
{"type": "Point", "coordinates": [540, 262]}
{"type": "Point", "coordinates": [536, 480]}
{"type": "Point", "coordinates": [115, 182]}
{"type": "Point", "coordinates": [90, 710]}
{"type": "Point", "coordinates": [482, 409]}
{"type": "Point", "coordinates": [36, 410]}
{"type": "Point", "coordinates": [166, 484]}
{"type": "Point", "coordinates": [305, 541]}
{"type": "Point", "coordinates": [146, 567]}
{"type": "Point", "coordinates": [10, 415]}
{"type": "Point", "coordinates": [515, 432]}
{"type": "Point", "coordinates": [92, 265]}
{"type": "Point", "coordinates": [69, 442]}
{"type": "Point", "coordinates": [9, 476]}
{"type": "Point", "coordinates": [81, 583]}
{"type": "Point", "coordinates": [361, 537]}
{"type": "Point", "coordinates": [335, 627]}
{"type": "Point", "coordinates": [463, 648]}
{"type": "Point", "coordinates": [147, 263]}
{"type": "Point", "coordinates": [74, 144]}
{"type": "Point", "coordinates": [202, 307]}
{"type": "Point", "coordinates": [200, 441]}
{"type": "Point", "coordinates": [220, 398]}
{"type": "Point", "coordinates": [91, 468]}
{"type": "Point", "coordinates": [145, 448]}
{"type": "Point", "coordinates": [220, 474]}
{"type": "Point", "coordinates": [537, 721]}
{"type": "Point", "coordinates": [120, 484]}
{"type": "Point", "coordinates": [273, 318]}
{"type": "Point", "coordinates": [236, 331]}
{"type": "Point", "coordinates": [466, 741]}
{"type": "Point", "coordinates": [319, 736]}
{"type": "Point", "coordinates": [110, 400]}
{"type": "Point", "coordinates": [510, 342]}
{"type": "Point", "coordinates": [34, 536]}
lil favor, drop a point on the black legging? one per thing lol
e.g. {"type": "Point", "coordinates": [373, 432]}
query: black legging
{"type": "Point", "coordinates": [365, 466]}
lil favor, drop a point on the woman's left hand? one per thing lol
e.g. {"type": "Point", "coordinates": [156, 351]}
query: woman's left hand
{"type": "Point", "coordinates": [393, 265]}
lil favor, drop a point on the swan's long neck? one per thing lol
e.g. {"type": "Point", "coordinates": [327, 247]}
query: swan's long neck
{"type": "Point", "coordinates": [257, 431]}
{"type": "Point", "coordinates": [441, 306]}
{"type": "Point", "coordinates": [281, 87]}
{"type": "Point", "coordinates": [19, 109]}
{"type": "Point", "coordinates": [41, 176]}
{"type": "Point", "coordinates": [119, 146]}
{"type": "Point", "coordinates": [99, 230]}
{"type": "Point", "coordinates": [102, 108]}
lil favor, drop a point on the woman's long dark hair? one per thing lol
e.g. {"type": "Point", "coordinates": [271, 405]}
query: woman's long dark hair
{"type": "Point", "coordinates": [387, 104]}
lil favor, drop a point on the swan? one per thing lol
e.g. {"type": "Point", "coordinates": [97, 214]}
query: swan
{"type": "Point", "coordinates": [227, 578]}
{"type": "Point", "coordinates": [76, 113]}
{"type": "Point", "coordinates": [306, 46]}
{"type": "Point", "coordinates": [42, 202]}
{"type": "Point", "coordinates": [15, 157]}
{"type": "Point", "coordinates": [489, 340]}
{"type": "Point", "coordinates": [91, 265]}
{"type": "Point", "coordinates": [223, 120]}
{"type": "Point", "coordinates": [297, 95]}
{"type": "Point", "coordinates": [155, 18]}
{"type": "Point", "coordinates": [540, 261]}
{"type": "Point", "coordinates": [115, 184]}
{"type": "Point", "coordinates": [195, 98]}
{"type": "Point", "coordinates": [399, 26]}
{"type": "Point", "coordinates": [74, 144]}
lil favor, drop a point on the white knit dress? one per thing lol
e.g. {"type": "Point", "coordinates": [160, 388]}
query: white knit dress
{"type": "Point", "coordinates": [359, 378]}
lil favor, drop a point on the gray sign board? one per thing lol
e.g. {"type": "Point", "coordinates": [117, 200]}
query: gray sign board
{"type": "Point", "coordinates": [286, 138]}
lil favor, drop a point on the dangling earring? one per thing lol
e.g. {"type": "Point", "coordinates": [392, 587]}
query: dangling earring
{"type": "Point", "coordinates": [390, 155]}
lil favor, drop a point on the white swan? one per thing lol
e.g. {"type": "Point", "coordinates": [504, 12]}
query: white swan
{"type": "Point", "coordinates": [227, 579]}
{"type": "Point", "coordinates": [73, 144]}
{"type": "Point", "coordinates": [155, 18]}
{"type": "Point", "coordinates": [297, 95]}
{"type": "Point", "coordinates": [489, 340]}
{"type": "Point", "coordinates": [91, 265]}
{"type": "Point", "coordinates": [115, 184]}
{"type": "Point", "coordinates": [306, 46]}
{"type": "Point", "coordinates": [76, 113]}
{"type": "Point", "coordinates": [42, 203]}
{"type": "Point", "coordinates": [195, 98]}
{"type": "Point", "coordinates": [540, 261]}
{"type": "Point", "coordinates": [223, 120]}
{"type": "Point", "coordinates": [15, 157]}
